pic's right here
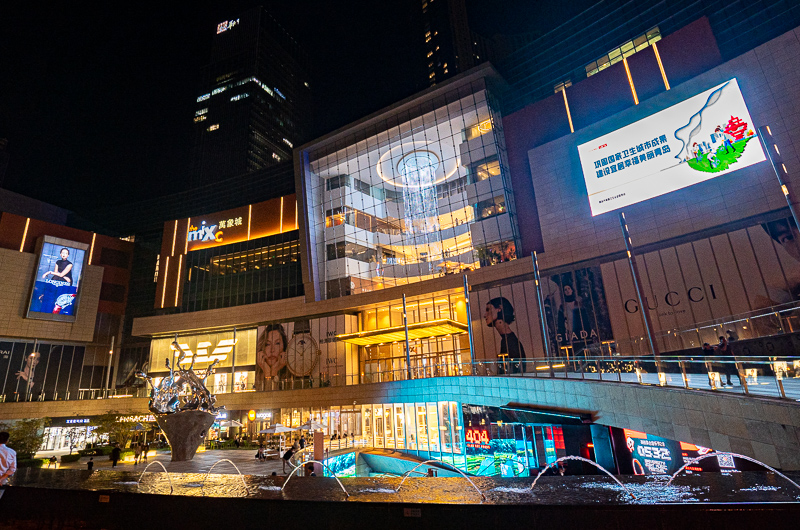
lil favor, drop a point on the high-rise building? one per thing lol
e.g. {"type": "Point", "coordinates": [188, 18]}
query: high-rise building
{"type": "Point", "coordinates": [448, 43]}
{"type": "Point", "coordinates": [254, 103]}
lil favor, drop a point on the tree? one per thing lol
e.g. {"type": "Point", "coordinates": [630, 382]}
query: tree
{"type": "Point", "coordinates": [111, 424]}
{"type": "Point", "coordinates": [26, 436]}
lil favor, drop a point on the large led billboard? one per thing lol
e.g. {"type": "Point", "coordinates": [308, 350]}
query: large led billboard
{"type": "Point", "coordinates": [700, 138]}
{"type": "Point", "coordinates": [57, 282]}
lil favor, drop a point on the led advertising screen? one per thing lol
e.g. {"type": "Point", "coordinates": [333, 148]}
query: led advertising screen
{"type": "Point", "coordinates": [57, 281]}
{"type": "Point", "coordinates": [700, 138]}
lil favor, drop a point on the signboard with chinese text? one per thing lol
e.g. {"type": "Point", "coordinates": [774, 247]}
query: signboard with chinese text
{"type": "Point", "coordinates": [700, 138]}
{"type": "Point", "coordinates": [238, 224]}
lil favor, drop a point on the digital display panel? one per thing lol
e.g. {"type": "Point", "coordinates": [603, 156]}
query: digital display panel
{"type": "Point", "coordinates": [57, 281]}
{"type": "Point", "coordinates": [700, 138]}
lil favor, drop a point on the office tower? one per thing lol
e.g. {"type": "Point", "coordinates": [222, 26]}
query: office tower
{"type": "Point", "coordinates": [254, 103]}
{"type": "Point", "coordinates": [448, 43]}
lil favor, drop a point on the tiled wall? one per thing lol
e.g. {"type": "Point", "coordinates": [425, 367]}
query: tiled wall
{"type": "Point", "coordinates": [17, 270]}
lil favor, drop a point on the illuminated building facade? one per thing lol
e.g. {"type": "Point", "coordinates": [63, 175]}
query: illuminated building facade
{"type": "Point", "coordinates": [418, 192]}
{"type": "Point", "coordinates": [253, 106]}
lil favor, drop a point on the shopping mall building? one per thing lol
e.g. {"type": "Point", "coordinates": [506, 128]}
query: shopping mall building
{"type": "Point", "coordinates": [396, 297]}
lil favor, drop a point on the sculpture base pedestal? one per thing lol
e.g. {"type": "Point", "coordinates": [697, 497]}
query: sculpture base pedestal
{"type": "Point", "coordinates": [185, 431]}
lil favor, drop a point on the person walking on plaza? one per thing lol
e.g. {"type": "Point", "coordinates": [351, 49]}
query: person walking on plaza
{"type": "Point", "coordinates": [302, 442]}
{"type": "Point", "coordinates": [145, 449]}
{"type": "Point", "coordinates": [137, 454]}
{"type": "Point", "coordinates": [90, 463]}
{"type": "Point", "coordinates": [115, 453]}
{"type": "Point", "coordinates": [8, 461]}
{"type": "Point", "coordinates": [52, 461]}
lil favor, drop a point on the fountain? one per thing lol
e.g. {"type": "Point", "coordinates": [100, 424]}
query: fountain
{"type": "Point", "coordinates": [407, 473]}
{"type": "Point", "coordinates": [580, 458]}
{"type": "Point", "coordinates": [138, 482]}
{"type": "Point", "coordinates": [323, 465]}
{"type": "Point", "coordinates": [703, 457]}
{"type": "Point", "coordinates": [185, 421]}
{"type": "Point", "coordinates": [246, 489]}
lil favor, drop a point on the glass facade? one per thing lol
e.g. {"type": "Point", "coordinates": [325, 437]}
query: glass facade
{"type": "Point", "coordinates": [432, 356]}
{"type": "Point", "coordinates": [419, 193]}
{"type": "Point", "coordinates": [249, 272]}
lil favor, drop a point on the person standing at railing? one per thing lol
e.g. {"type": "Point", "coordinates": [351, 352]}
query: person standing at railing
{"type": "Point", "coordinates": [500, 315]}
{"type": "Point", "coordinates": [728, 368]}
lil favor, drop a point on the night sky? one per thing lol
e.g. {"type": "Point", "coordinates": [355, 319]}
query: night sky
{"type": "Point", "coordinates": [97, 103]}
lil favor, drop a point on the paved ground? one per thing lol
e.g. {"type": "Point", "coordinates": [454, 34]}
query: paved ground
{"type": "Point", "coordinates": [244, 459]}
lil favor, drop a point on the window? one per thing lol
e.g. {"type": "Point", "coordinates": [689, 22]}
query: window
{"type": "Point", "coordinates": [201, 112]}
{"type": "Point", "coordinates": [213, 127]}
{"type": "Point", "coordinates": [345, 249]}
{"type": "Point", "coordinates": [484, 169]}
{"type": "Point", "coordinates": [337, 182]}
{"type": "Point", "coordinates": [199, 118]}
{"type": "Point", "coordinates": [490, 207]}
{"type": "Point", "coordinates": [626, 50]}
{"type": "Point", "coordinates": [155, 273]}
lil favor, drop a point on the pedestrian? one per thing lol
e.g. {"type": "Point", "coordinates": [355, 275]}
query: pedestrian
{"type": "Point", "coordinates": [732, 335]}
{"type": "Point", "coordinates": [302, 442]}
{"type": "Point", "coordinates": [287, 456]}
{"type": "Point", "coordinates": [90, 463]}
{"type": "Point", "coordinates": [145, 449]}
{"type": "Point", "coordinates": [137, 454]}
{"type": "Point", "coordinates": [8, 461]}
{"type": "Point", "coordinates": [53, 461]}
{"type": "Point", "coordinates": [115, 453]}
{"type": "Point", "coordinates": [728, 368]}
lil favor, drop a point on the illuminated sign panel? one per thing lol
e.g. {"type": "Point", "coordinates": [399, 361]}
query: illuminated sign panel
{"type": "Point", "coordinates": [56, 285]}
{"type": "Point", "coordinates": [700, 138]}
{"type": "Point", "coordinates": [225, 26]}
{"type": "Point", "coordinates": [241, 224]}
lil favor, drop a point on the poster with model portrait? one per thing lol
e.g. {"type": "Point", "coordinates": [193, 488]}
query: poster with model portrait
{"type": "Point", "coordinates": [304, 349]}
{"type": "Point", "coordinates": [28, 370]}
{"type": "Point", "coordinates": [57, 280]}
{"type": "Point", "coordinates": [505, 326]}
{"type": "Point", "coordinates": [576, 311]}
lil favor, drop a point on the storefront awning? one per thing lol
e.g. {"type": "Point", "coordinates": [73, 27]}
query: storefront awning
{"type": "Point", "coordinates": [418, 330]}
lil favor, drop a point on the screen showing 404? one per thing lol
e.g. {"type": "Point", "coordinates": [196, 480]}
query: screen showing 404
{"type": "Point", "coordinates": [57, 280]}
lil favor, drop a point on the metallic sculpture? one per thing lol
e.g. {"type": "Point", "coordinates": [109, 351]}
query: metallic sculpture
{"type": "Point", "coordinates": [184, 407]}
{"type": "Point", "coordinates": [165, 398]}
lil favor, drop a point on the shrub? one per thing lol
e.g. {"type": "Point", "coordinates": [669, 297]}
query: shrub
{"type": "Point", "coordinates": [70, 458]}
{"type": "Point", "coordinates": [31, 462]}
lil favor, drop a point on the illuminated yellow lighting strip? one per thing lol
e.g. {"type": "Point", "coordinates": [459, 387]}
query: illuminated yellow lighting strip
{"type": "Point", "coordinates": [186, 243]}
{"type": "Point", "coordinates": [91, 249]}
{"type": "Point", "coordinates": [418, 330]}
{"type": "Point", "coordinates": [164, 288]}
{"type": "Point", "coordinates": [281, 225]}
{"type": "Point", "coordinates": [178, 281]}
{"type": "Point", "coordinates": [630, 81]}
{"type": "Point", "coordinates": [174, 236]}
{"type": "Point", "coordinates": [660, 66]}
{"type": "Point", "coordinates": [249, 217]}
{"type": "Point", "coordinates": [25, 233]}
{"type": "Point", "coordinates": [569, 114]}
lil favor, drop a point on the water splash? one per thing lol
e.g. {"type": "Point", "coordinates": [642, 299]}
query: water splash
{"type": "Point", "coordinates": [407, 473]}
{"type": "Point", "coordinates": [323, 465]}
{"type": "Point", "coordinates": [737, 455]}
{"type": "Point", "coordinates": [246, 489]}
{"type": "Point", "coordinates": [580, 458]}
{"type": "Point", "coordinates": [138, 482]}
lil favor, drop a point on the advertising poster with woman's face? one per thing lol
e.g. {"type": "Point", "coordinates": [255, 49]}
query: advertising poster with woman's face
{"type": "Point", "coordinates": [57, 279]}
{"type": "Point", "coordinates": [271, 344]}
{"type": "Point", "coordinates": [576, 309]}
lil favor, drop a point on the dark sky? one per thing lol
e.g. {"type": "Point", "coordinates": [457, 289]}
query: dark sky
{"type": "Point", "coordinates": [97, 103]}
